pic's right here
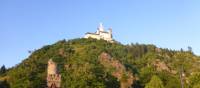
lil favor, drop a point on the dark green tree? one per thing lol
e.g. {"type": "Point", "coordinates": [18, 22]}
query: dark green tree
{"type": "Point", "coordinates": [2, 70]}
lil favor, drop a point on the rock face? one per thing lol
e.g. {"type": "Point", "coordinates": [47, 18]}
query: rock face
{"type": "Point", "coordinates": [162, 66]}
{"type": "Point", "coordinates": [53, 77]}
{"type": "Point", "coordinates": [118, 70]}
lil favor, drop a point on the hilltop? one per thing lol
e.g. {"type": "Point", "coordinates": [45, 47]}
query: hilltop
{"type": "Point", "coordinates": [82, 64]}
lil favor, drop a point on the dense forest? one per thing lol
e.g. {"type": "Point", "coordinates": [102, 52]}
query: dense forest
{"type": "Point", "coordinates": [81, 65]}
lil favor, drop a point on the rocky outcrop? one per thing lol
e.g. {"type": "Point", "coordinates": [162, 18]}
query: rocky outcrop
{"type": "Point", "coordinates": [162, 66]}
{"type": "Point", "coordinates": [118, 70]}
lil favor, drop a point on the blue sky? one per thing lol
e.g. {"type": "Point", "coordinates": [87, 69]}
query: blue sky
{"type": "Point", "coordinates": [30, 24]}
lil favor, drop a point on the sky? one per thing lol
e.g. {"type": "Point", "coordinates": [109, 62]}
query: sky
{"type": "Point", "coordinates": [30, 24]}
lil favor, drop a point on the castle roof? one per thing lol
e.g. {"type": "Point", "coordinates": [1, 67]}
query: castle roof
{"type": "Point", "coordinates": [97, 34]}
{"type": "Point", "coordinates": [91, 33]}
{"type": "Point", "coordinates": [103, 31]}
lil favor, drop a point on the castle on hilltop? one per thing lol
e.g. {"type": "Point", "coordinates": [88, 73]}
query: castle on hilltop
{"type": "Point", "coordinates": [53, 77]}
{"type": "Point", "coordinates": [101, 34]}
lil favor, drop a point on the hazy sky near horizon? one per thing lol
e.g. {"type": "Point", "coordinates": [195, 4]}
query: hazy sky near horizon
{"type": "Point", "coordinates": [30, 24]}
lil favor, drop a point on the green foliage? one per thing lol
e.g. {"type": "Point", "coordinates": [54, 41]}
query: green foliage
{"type": "Point", "coordinates": [196, 86]}
{"type": "Point", "coordinates": [169, 80]}
{"type": "Point", "coordinates": [172, 82]}
{"type": "Point", "coordinates": [146, 74]}
{"type": "Point", "coordinates": [194, 80]}
{"type": "Point", "coordinates": [78, 64]}
{"type": "Point", "coordinates": [155, 82]}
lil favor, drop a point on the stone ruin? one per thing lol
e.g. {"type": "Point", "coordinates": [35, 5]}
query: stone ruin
{"type": "Point", "coordinates": [53, 77]}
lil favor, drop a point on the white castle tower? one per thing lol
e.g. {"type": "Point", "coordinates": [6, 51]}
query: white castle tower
{"type": "Point", "coordinates": [101, 34]}
{"type": "Point", "coordinates": [53, 77]}
{"type": "Point", "coordinates": [101, 27]}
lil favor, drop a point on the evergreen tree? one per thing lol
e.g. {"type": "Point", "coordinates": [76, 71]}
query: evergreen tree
{"type": "Point", "coordinates": [189, 48]}
{"type": "Point", "coordinates": [2, 70]}
{"type": "Point", "coordinates": [155, 82]}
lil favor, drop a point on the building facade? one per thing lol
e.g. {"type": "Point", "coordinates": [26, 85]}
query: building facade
{"type": "Point", "coordinates": [53, 77]}
{"type": "Point", "coordinates": [101, 34]}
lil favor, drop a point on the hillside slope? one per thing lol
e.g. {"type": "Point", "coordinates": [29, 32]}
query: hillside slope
{"type": "Point", "coordinates": [80, 67]}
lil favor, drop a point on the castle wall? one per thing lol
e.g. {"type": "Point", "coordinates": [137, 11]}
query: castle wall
{"type": "Point", "coordinates": [52, 67]}
{"type": "Point", "coordinates": [92, 36]}
{"type": "Point", "coordinates": [101, 34]}
{"type": "Point", "coordinates": [105, 35]}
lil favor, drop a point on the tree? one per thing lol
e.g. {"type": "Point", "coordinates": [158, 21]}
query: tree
{"type": "Point", "coordinates": [182, 50]}
{"type": "Point", "coordinates": [3, 69]}
{"type": "Point", "coordinates": [155, 82]}
{"type": "Point", "coordinates": [189, 48]}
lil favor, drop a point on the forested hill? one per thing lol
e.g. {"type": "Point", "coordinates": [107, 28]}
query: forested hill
{"type": "Point", "coordinates": [82, 66]}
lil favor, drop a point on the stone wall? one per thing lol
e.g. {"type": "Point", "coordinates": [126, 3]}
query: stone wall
{"type": "Point", "coordinates": [53, 77]}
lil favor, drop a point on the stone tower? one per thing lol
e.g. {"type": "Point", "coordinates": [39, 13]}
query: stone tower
{"type": "Point", "coordinates": [53, 77]}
